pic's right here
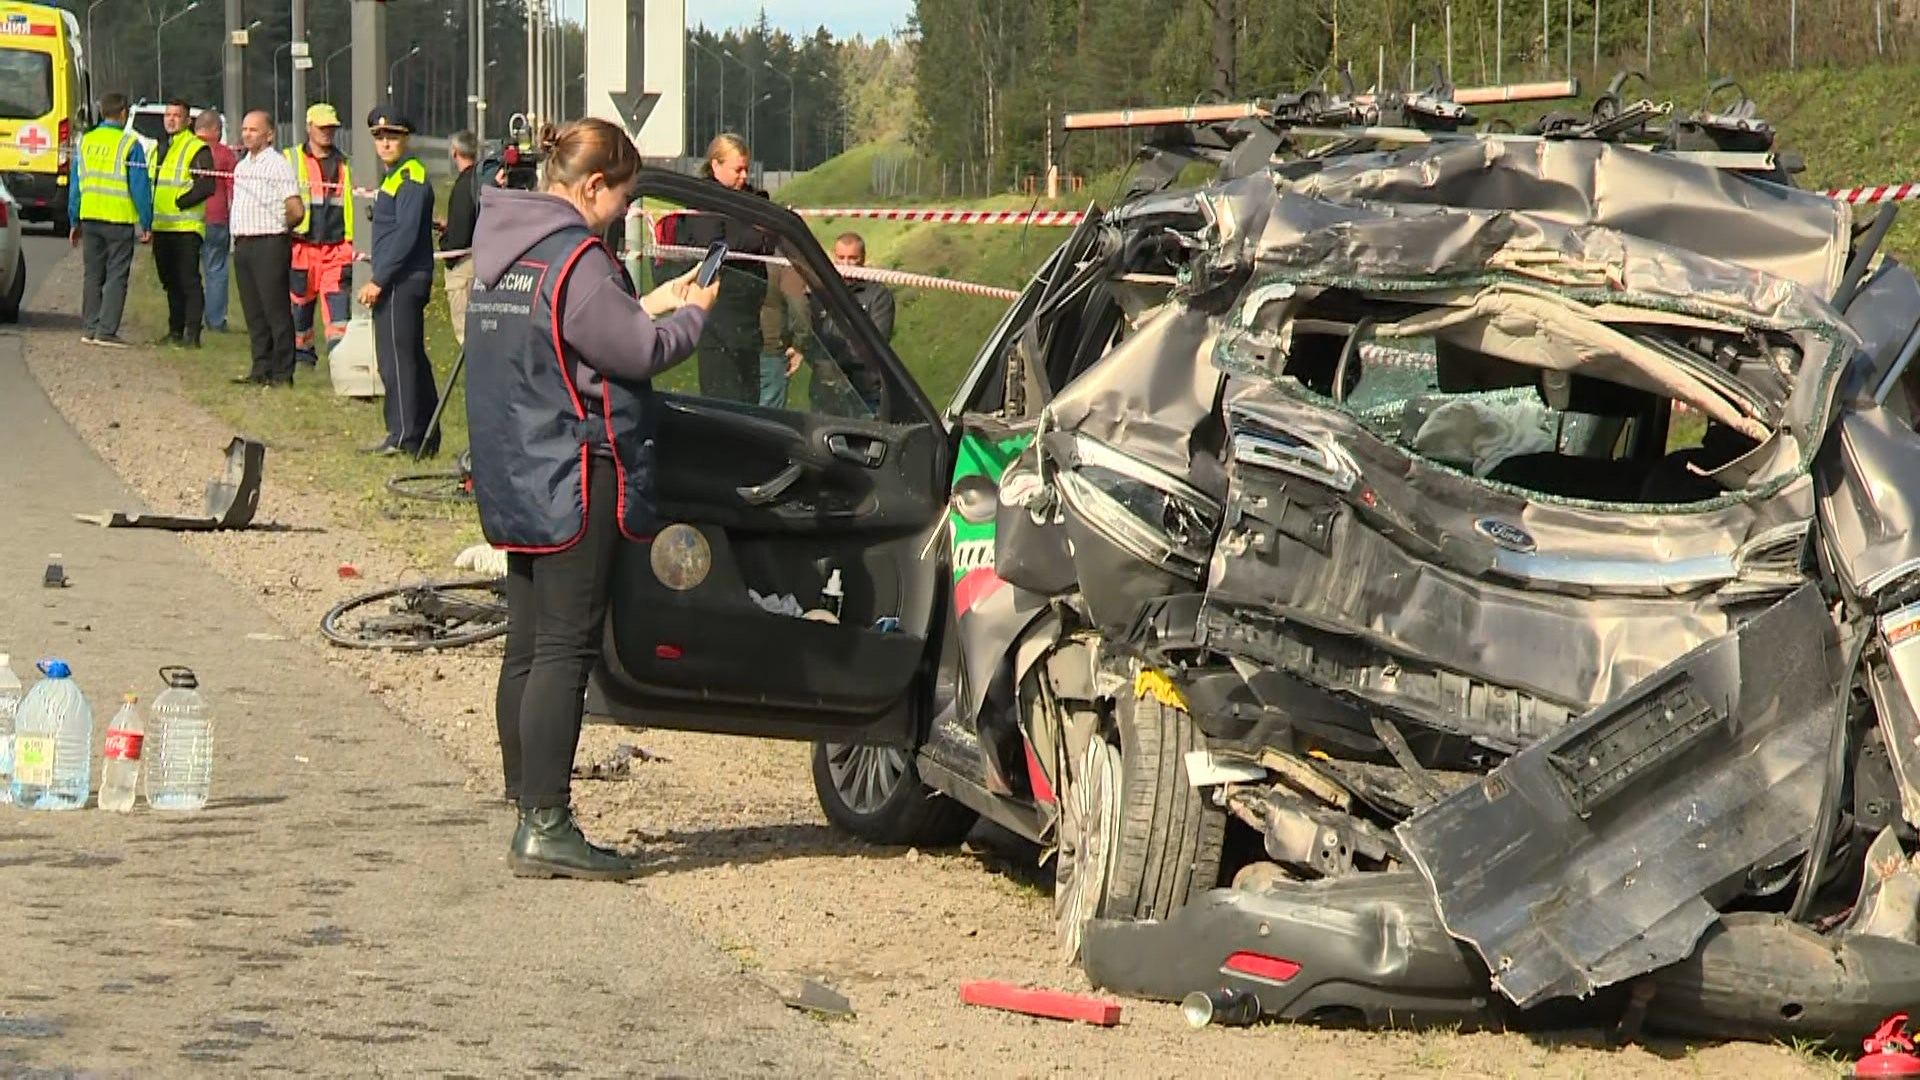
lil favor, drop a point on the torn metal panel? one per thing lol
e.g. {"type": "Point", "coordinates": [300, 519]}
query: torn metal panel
{"type": "Point", "coordinates": [1869, 481]}
{"type": "Point", "coordinates": [1796, 235]}
{"type": "Point", "coordinates": [1150, 396]}
{"type": "Point", "coordinates": [1348, 536]}
{"type": "Point", "coordinates": [1583, 861]}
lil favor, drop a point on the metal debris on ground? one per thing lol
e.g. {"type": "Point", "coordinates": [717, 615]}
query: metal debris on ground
{"type": "Point", "coordinates": [232, 498]}
{"type": "Point", "coordinates": [1225, 1007]}
{"type": "Point", "coordinates": [815, 997]}
{"type": "Point", "coordinates": [619, 766]}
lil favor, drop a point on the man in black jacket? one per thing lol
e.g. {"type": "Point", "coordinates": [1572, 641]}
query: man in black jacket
{"type": "Point", "coordinates": [463, 209]}
{"type": "Point", "coordinates": [850, 250]}
{"type": "Point", "coordinates": [182, 184]}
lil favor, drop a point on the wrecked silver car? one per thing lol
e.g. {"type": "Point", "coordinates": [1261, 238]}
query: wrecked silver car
{"type": "Point", "coordinates": [1523, 529]}
{"type": "Point", "coordinates": [1418, 580]}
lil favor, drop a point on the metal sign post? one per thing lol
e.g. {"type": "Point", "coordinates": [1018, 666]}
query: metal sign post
{"type": "Point", "coordinates": [351, 363]}
{"type": "Point", "coordinates": [301, 61]}
{"type": "Point", "coordinates": [235, 66]}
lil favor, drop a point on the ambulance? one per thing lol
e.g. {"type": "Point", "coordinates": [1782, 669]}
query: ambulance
{"type": "Point", "coordinates": [44, 106]}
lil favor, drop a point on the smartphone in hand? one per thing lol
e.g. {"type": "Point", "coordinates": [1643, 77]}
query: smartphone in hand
{"type": "Point", "coordinates": [710, 266]}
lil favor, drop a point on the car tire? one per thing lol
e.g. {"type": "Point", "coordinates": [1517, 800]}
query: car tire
{"type": "Point", "coordinates": [17, 292]}
{"type": "Point", "coordinates": [875, 793]}
{"type": "Point", "coordinates": [1137, 840]}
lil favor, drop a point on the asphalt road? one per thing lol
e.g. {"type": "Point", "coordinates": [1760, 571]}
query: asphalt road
{"type": "Point", "coordinates": [343, 906]}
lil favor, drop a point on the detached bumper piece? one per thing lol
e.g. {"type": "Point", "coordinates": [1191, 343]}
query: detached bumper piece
{"type": "Point", "coordinates": [232, 497]}
{"type": "Point", "coordinates": [1367, 949]}
{"type": "Point", "coordinates": [1586, 860]}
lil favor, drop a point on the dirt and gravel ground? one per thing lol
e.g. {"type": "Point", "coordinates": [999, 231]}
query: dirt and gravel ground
{"type": "Point", "coordinates": [741, 852]}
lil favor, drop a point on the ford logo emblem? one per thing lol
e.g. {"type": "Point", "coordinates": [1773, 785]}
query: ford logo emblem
{"type": "Point", "coordinates": [1506, 534]}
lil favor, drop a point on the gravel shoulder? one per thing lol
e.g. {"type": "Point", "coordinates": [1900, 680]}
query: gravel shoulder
{"type": "Point", "coordinates": [741, 852]}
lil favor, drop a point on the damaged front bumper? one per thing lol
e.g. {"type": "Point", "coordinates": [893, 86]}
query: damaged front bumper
{"type": "Point", "coordinates": [1367, 949]}
{"type": "Point", "coordinates": [1371, 950]}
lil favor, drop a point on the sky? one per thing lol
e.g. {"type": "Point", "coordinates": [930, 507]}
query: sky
{"type": "Point", "coordinates": [844, 18]}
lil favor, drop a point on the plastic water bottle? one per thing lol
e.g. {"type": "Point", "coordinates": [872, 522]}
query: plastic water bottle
{"type": "Point", "coordinates": [180, 754]}
{"type": "Point", "coordinates": [53, 743]}
{"type": "Point", "coordinates": [120, 760]}
{"type": "Point", "coordinates": [10, 693]}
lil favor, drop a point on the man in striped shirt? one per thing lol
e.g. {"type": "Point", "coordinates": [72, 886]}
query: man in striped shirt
{"type": "Point", "coordinates": [266, 206]}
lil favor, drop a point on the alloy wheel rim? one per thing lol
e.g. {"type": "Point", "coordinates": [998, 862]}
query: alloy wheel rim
{"type": "Point", "coordinates": [865, 777]}
{"type": "Point", "coordinates": [1089, 831]}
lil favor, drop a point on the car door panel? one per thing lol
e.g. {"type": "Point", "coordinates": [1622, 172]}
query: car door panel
{"type": "Point", "coordinates": [759, 505]}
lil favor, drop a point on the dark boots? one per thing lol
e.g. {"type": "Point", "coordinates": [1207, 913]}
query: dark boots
{"type": "Point", "coordinates": [549, 844]}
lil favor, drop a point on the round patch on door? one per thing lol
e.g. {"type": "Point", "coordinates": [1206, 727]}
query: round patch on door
{"type": "Point", "coordinates": [681, 557]}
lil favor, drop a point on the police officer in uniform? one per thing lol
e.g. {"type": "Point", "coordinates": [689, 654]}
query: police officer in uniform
{"type": "Point", "coordinates": [401, 286]}
{"type": "Point", "coordinates": [561, 411]}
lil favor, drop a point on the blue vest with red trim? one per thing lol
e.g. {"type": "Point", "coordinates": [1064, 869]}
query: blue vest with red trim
{"type": "Point", "coordinates": [532, 432]}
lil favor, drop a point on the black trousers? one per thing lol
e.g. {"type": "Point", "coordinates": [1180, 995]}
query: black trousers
{"type": "Point", "coordinates": [400, 345]}
{"type": "Point", "coordinates": [556, 605]}
{"type": "Point", "coordinates": [264, 266]}
{"type": "Point", "coordinates": [176, 256]}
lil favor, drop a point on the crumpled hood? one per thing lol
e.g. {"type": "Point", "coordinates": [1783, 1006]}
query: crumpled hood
{"type": "Point", "coordinates": [511, 223]}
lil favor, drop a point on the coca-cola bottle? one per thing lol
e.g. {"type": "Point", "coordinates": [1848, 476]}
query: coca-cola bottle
{"type": "Point", "coordinates": [120, 767]}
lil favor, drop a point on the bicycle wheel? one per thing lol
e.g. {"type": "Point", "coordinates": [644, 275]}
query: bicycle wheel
{"type": "Point", "coordinates": [444, 486]}
{"type": "Point", "coordinates": [416, 618]}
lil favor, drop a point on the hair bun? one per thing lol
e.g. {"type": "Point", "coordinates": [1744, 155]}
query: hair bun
{"type": "Point", "coordinates": [549, 139]}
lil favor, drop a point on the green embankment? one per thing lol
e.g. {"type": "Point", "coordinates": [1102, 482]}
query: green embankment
{"type": "Point", "coordinates": [1853, 126]}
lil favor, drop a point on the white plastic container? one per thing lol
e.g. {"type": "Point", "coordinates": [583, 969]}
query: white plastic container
{"type": "Point", "coordinates": [53, 743]}
{"type": "Point", "coordinates": [179, 755]}
{"type": "Point", "coordinates": [120, 758]}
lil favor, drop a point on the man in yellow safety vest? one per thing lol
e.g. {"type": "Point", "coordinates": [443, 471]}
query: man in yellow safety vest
{"type": "Point", "coordinates": [181, 188]}
{"type": "Point", "coordinates": [323, 241]}
{"type": "Point", "coordinates": [110, 201]}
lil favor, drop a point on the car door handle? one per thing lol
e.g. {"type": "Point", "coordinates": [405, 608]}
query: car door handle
{"type": "Point", "coordinates": [763, 494]}
{"type": "Point", "coordinates": [862, 450]}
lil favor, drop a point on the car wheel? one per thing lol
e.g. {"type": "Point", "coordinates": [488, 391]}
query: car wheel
{"type": "Point", "coordinates": [1136, 839]}
{"type": "Point", "coordinates": [876, 794]}
{"type": "Point", "coordinates": [17, 292]}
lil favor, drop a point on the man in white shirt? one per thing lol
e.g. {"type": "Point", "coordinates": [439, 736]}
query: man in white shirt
{"type": "Point", "coordinates": [266, 206]}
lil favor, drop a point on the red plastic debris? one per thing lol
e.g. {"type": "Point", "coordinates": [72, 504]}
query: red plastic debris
{"type": "Point", "coordinates": [348, 570]}
{"type": "Point", "coordinates": [1890, 1051]}
{"type": "Point", "coordinates": [1051, 1004]}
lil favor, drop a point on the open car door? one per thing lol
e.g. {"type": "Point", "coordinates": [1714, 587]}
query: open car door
{"type": "Point", "coordinates": [793, 454]}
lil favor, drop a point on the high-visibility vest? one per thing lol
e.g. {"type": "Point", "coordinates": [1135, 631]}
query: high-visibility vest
{"type": "Point", "coordinates": [408, 170]}
{"type": "Point", "coordinates": [336, 205]}
{"type": "Point", "coordinates": [104, 194]}
{"type": "Point", "coordinates": [173, 181]}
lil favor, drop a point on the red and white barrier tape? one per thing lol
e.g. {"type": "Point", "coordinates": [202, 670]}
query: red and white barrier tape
{"type": "Point", "coordinates": [860, 273]}
{"type": "Point", "coordinates": [952, 217]}
{"type": "Point", "coordinates": [1861, 196]}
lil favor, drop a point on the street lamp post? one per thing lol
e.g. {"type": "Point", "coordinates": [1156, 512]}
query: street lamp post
{"type": "Point", "coordinates": [274, 62]}
{"type": "Point", "coordinates": [753, 94]}
{"type": "Point", "coordinates": [394, 69]}
{"type": "Point", "coordinates": [723, 78]}
{"type": "Point", "coordinates": [159, 37]}
{"type": "Point", "coordinates": [326, 69]}
{"type": "Point", "coordinates": [94, 60]}
{"type": "Point", "coordinates": [792, 96]}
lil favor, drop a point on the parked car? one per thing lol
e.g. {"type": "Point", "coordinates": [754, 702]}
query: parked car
{"type": "Point", "coordinates": [1412, 583]}
{"type": "Point", "coordinates": [13, 258]}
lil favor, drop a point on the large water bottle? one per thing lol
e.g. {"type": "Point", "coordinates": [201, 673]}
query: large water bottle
{"type": "Point", "coordinates": [120, 758]}
{"type": "Point", "coordinates": [179, 753]}
{"type": "Point", "coordinates": [53, 743]}
{"type": "Point", "coordinates": [10, 693]}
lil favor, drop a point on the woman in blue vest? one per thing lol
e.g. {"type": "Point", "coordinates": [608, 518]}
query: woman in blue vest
{"type": "Point", "coordinates": [559, 357]}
